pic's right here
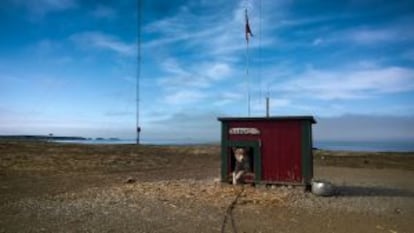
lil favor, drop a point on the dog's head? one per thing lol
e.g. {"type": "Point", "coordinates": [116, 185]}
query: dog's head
{"type": "Point", "coordinates": [239, 153]}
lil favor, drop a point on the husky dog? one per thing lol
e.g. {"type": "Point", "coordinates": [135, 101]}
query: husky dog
{"type": "Point", "coordinates": [242, 164]}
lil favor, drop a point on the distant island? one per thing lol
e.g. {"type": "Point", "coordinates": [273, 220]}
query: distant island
{"type": "Point", "coordinates": [107, 139]}
{"type": "Point", "coordinates": [41, 137]}
{"type": "Point", "coordinates": [54, 138]}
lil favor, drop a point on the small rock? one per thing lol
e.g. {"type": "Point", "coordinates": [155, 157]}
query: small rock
{"type": "Point", "coordinates": [397, 211]}
{"type": "Point", "coordinates": [130, 180]}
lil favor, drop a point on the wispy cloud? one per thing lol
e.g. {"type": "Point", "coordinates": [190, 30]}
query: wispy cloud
{"type": "Point", "coordinates": [294, 21]}
{"type": "Point", "coordinates": [184, 97]}
{"type": "Point", "coordinates": [177, 29]}
{"type": "Point", "coordinates": [99, 40]}
{"type": "Point", "coordinates": [317, 41]}
{"type": "Point", "coordinates": [365, 127]}
{"type": "Point", "coordinates": [219, 41]}
{"type": "Point", "coordinates": [349, 84]}
{"type": "Point", "coordinates": [104, 12]}
{"type": "Point", "coordinates": [394, 32]}
{"type": "Point", "coordinates": [189, 84]}
{"type": "Point", "coordinates": [227, 98]}
{"type": "Point", "coordinates": [373, 36]}
{"type": "Point", "coordinates": [277, 103]}
{"type": "Point", "coordinates": [118, 113]}
{"type": "Point", "coordinates": [409, 55]}
{"type": "Point", "coordinates": [328, 30]}
{"type": "Point", "coordinates": [178, 78]}
{"type": "Point", "coordinates": [188, 126]}
{"type": "Point", "coordinates": [212, 35]}
{"type": "Point", "coordinates": [42, 7]}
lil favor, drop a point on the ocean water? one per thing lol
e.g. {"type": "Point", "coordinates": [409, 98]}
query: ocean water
{"type": "Point", "coordinates": [375, 146]}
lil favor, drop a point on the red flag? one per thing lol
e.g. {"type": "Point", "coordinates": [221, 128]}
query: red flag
{"type": "Point", "coordinates": [248, 31]}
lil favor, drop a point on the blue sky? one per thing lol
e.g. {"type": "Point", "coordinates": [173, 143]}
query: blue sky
{"type": "Point", "coordinates": [68, 66]}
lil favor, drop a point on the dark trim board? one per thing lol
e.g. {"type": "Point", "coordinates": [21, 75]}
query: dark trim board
{"type": "Point", "coordinates": [224, 150]}
{"type": "Point", "coordinates": [306, 153]}
{"type": "Point", "coordinates": [275, 118]}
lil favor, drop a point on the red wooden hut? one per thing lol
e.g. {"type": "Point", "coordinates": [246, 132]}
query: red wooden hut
{"type": "Point", "coordinates": [280, 148]}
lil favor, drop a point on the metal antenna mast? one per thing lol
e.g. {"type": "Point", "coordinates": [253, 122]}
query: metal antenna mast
{"type": "Point", "coordinates": [139, 18]}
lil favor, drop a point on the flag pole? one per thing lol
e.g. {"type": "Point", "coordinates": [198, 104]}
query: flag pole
{"type": "Point", "coordinates": [248, 33]}
{"type": "Point", "coordinates": [248, 78]}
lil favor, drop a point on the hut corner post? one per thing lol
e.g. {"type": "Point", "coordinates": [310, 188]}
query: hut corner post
{"type": "Point", "coordinates": [224, 145]}
{"type": "Point", "coordinates": [306, 152]}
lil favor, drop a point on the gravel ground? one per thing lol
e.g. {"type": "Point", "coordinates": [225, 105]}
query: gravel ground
{"type": "Point", "coordinates": [191, 205]}
{"type": "Point", "coordinates": [170, 189]}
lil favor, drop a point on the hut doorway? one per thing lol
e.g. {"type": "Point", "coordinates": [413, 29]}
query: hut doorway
{"type": "Point", "coordinates": [253, 175]}
{"type": "Point", "coordinates": [247, 165]}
